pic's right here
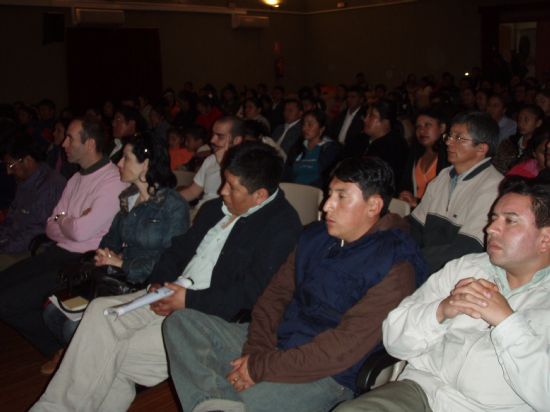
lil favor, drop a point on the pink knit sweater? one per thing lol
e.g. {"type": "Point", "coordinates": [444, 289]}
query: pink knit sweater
{"type": "Point", "coordinates": [89, 202]}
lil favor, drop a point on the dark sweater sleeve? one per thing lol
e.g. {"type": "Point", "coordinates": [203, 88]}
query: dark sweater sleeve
{"type": "Point", "coordinates": [336, 349]}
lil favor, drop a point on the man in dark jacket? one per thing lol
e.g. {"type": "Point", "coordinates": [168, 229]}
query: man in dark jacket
{"type": "Point", "coordinates": [230, 254]}
{"type": "Point", "coordinates": [318, 319]}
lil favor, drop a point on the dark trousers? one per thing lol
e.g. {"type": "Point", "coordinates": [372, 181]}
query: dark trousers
{"type": "Point", "coordinates": [26, 285]}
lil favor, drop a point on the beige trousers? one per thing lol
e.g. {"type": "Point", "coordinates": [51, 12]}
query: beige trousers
{"type": "Point", "coordinates": [105, 359]}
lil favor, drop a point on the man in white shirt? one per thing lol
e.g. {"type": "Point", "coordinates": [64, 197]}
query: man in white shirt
{"type": "Point", "coordinates": [230, 253]}
{"type": "Point", "coordinates": [226, 132]}
{"type": "Point", "coordinates": [476, 334]}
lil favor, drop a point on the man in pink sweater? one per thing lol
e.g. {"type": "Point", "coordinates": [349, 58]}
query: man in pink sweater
{"type": "Point", "coordinates": [78, 222]}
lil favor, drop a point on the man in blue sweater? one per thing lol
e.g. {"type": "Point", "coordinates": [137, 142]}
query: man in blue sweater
{"type": "Point", "coordinates": [319, 317]}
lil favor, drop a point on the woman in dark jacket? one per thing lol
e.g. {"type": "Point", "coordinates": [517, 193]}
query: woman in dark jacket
{"type": "Point", "coordinates": [151, 213]}
{"type": "Point", "coordinates": [427, 157]}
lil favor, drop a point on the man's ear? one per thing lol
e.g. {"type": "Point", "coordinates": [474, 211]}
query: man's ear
{"type": "Point", "coordinates": [375, 204]}
{"type": "Point", "coordinates": [237, 140]}
{"type": "Point", "coordinates": [483, 148]}
{"type": "Point", "coordinates": [545, 240]}
{"type": "Point", "coordinates": [260, 195]}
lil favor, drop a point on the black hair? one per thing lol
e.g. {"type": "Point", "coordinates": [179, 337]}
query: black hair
{"type": "Point", "coordinates": [46, 102]}
{"type": "Point", "coordinates": [533, 109]}
{"type": "Point", "coordinates": [293, 101]}
{"type": "Point", "coordinates": [387, 110]}
{"type": "Point", "coordinates": [538, 189]}
{"type": "Point", "coordinates": [255, 129]}
{"type": "Point", "coordinates": [255, 102]}
{"type": "Point", "coordinates": [197, 131]}
{"type": "Point", "coordinates": [356, 89]}
{"type": "Point", "coordinates": [481, 127]}
{"type": "Point", "coordinates": [372, 174]}
{"type": "Point", "coordinates": [237, 125]}
{"type": "Point", "coordinates": [256, 164]}
{"type": "Point", "coordinates": [318, 115]}
{"type": "Point", "coordinates": [159, 175]}
{"type": "Point", "coordinates": [22, 145]}
{"type": "Point", "coordinates": [540, 135]}
{"type": "Point", "coordinates": [131, 113]}
{"type": "Point", "coordinates": [92, 129]}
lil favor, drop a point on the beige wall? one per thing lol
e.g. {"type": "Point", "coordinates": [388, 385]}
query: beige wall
{"type": "Point", "coordinates": [428, 36]}
{"type": "Point", "coordinates": [387, 43]}
{"type": "Point", "coordinates": [29, 71]}
{"type": "Point", "coordinates": [204, 48]}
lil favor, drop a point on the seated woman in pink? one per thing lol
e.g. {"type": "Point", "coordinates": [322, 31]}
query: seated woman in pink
{"type": "Point", "coordinates": [538, 152]}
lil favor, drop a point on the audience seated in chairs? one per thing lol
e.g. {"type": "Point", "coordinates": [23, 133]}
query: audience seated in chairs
{"type": "Point", "coordinates": [288, 134]}
{"type": "Point", "coordinates": [385, 136]}
{"type": "Point", "coordinates": [78, 222]}
{"type": "Point", "coordinates": [127, 121]}
{"type": "Point", "coordinates": [448, 223]}
{"type": "Point", "coordinates": [229, 255]}
{"type": "Point", "coordinates": [38, 191]}
{"type": "Point", "coordinates": [515, 148]}
{"type": "Point", "coordinates": [228, 131]}
{"type": "Point", "coordinates": [537, 155]}
{"type": "Point", "coordinates": [318, 318]}
{"type": "Point", "coordinates": [151, 214]}
{"type": "Point", "coordinates": [427, 157]}
{"type": "Point", "coordinates": [313, 158]}
{"type": "Point", "coordinates": [476, 334]}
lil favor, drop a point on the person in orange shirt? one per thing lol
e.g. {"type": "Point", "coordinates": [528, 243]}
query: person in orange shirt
{"type": "Point", "coordinates": [179, 155]}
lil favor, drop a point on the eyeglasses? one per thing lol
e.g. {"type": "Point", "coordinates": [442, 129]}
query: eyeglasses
{"type": "Point", "coordinates": [10, 165]}
{"type": "Point", "coordinates": [456, 138]}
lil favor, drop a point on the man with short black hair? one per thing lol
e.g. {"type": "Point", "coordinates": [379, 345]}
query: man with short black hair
{"type": "Point", "coordinates": [288, 134]}
{"type": "Point", "coordinates": [228, 256]}
{"type": "Point", "coordinates": [38, 190]}
{"type": "Point", "coordinates": [448, 223]}
{"type": "Point", "coordinates": [348, 126]}
{"type": "Point", "coordinates": [127, 121]}
{"type": "Point", "coordinates": [476, 334]}
{"type": "Point", "coordinates": [319, 317]}
{"type": "Point", "coordinates": [77, 224]}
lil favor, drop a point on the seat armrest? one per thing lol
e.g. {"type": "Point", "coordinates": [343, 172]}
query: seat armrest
{"type": "Point", "coordinates": [373, 366]}
{"type": "Point", "coordinates": [38, 242]}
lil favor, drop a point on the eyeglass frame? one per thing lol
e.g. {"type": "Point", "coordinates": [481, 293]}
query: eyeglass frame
{"type": "Point", "coordinates": [457, 139]}
{"type": "Point", "coordinates": [10, 165]}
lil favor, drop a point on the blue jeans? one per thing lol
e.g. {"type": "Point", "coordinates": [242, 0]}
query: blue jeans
{"type": "Point", "coordinates": [200, 348]}
{"type": "Point", "coordinates": [60, 325]}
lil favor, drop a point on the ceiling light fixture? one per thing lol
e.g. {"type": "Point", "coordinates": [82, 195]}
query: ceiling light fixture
{"type": "Point", "coordinates": [272, 3]}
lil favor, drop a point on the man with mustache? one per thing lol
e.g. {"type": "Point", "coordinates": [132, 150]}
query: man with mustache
{"type": "Point", "coordinates": [226, 132]}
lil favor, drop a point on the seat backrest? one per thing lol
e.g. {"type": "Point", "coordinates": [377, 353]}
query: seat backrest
{"type": "Point", "coordinates": [399, 207]}
{"type": "Point", "coordinates": [305, 199]}
{"type": "Point", "coordinates": [184, 177]}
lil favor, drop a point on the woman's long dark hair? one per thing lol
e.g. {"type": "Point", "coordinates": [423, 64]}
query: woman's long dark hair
{"type": "Point", "coordinates": [159, 175]}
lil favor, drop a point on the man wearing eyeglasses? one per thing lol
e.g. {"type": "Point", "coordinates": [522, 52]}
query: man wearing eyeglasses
{"type": "Point", "coordinates": [448, 223]}
{"type": "Point", "coordinates": [38, 190]}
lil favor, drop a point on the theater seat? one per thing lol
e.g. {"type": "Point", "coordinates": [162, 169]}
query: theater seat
{"type": "Point", "coordinates": [399, 207]}
{"type": "Point", "coordinates": [305, 199]}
